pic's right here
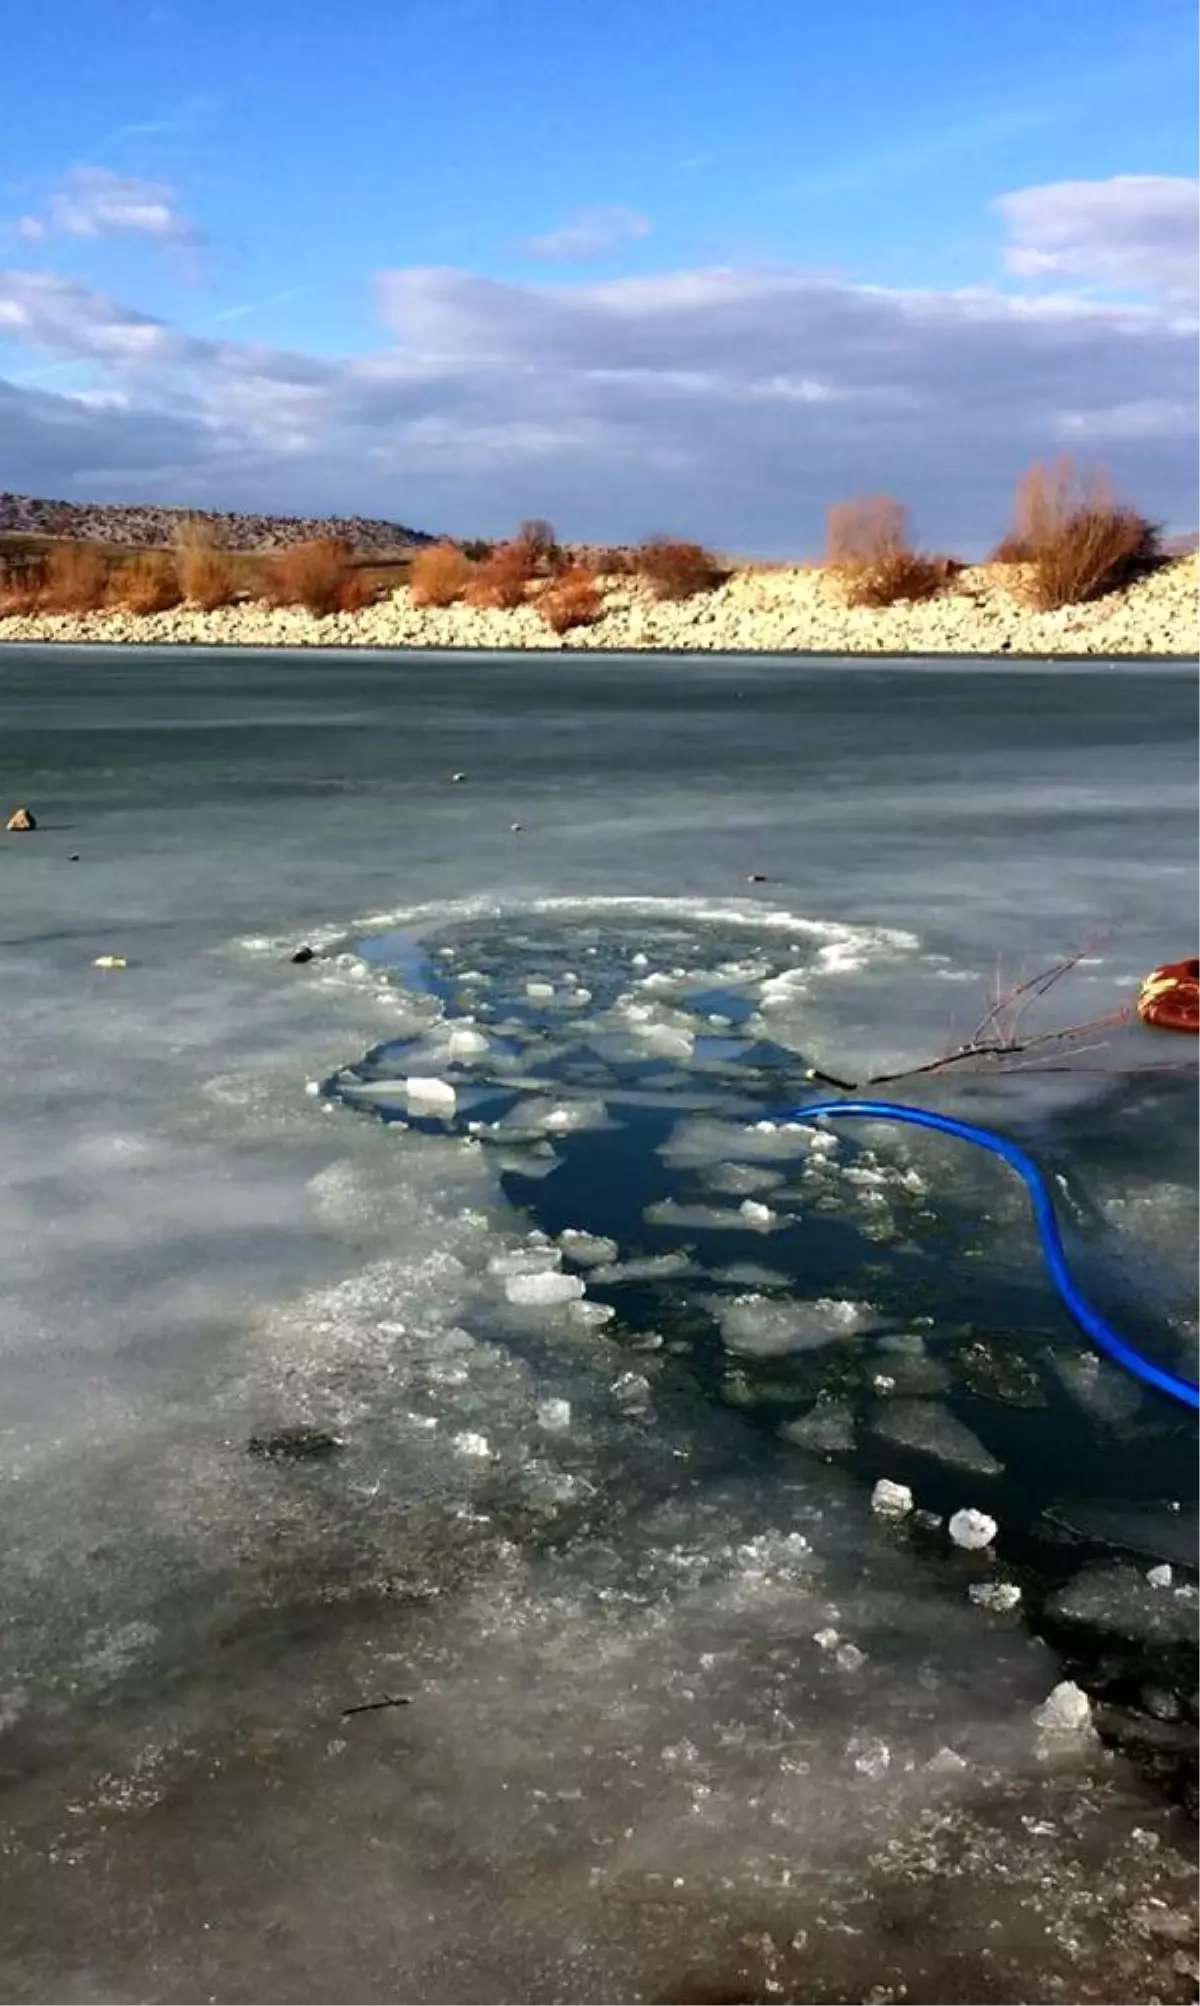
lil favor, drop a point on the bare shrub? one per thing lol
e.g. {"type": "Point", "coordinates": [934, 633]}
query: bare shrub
{"type": "Point", "coordinates": [869, 551]}
{"type": "Point", "coordinates": [538, 536]}
{"type": "Point", "coordinates": [206, 573]}
{"type": "Point", "coordinates": [677, 570]}
{"type": "Point", "coordinates": [356, 590]}
{"type": "Point", "coordinates": [573, 600]}
{"type": "Point", "coordinates": [20, 596]}
{"type": "Point", "coordinates": [76, 579]}
{"type": "Point", "coordinates": [503, 579]}
{"type": "Point", "coordinates": [146, 584]}
{"type": "Point", "coordinates": [440, 575]}
{"type": "Point", "coordinates": [1077, 540]}
{"type": "Point", "coordinates": [313, 574]}
{"type": "Point", "coordinates": [476, 548]}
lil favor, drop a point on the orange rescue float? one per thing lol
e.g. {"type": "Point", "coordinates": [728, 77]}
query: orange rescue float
{"type": "Point", "coordinates": [1169, 999]}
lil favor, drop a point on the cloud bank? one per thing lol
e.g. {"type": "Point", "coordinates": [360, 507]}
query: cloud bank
{"type": "Point", "coordinates": [732, 405]}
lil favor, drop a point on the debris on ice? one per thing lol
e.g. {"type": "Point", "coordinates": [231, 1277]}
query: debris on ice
{"type": "Point", "coordinates": [542, 1289]}
{"type": "Point", "coordinates": [972, 1529]}
{"type": "Point", "coordinates": [891, 1500]}
{"type": "Point", "coordinates": [1000, 1596]}
{"type": "Point", "coordinates": [1067, 1711]}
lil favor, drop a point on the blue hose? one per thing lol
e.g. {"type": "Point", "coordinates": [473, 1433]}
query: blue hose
{"type": "Point", "coordinates": [1089, 1320]}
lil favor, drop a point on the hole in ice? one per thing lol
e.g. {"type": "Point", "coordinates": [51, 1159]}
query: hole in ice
{"type": "Point", "coordinates": [648, 1122]}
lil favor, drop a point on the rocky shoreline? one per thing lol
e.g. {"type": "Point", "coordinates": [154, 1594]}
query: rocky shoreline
{"type": "Point", "coordinates": [754, 611]}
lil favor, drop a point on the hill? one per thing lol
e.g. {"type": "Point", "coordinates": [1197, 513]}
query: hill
{"type": "Point", "coordinates": [146, 526]}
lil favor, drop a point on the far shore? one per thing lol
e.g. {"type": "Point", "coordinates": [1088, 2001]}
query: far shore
{"type": "Point", "coordinates": [771, 612]}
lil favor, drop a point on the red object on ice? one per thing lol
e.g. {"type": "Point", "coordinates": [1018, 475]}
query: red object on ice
{"type": "Point", "coordinates": [1169, 999]}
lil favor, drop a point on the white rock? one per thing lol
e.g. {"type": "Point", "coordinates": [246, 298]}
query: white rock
{"type": "Point", "coordinates": [542, 1289]}
{"type": "Point", "coordinates": [891, 1500]}
{"type": "Point", "coordinates": [972, 1529]}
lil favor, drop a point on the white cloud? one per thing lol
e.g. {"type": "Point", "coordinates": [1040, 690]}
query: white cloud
{"type": "Point", "coordinates": [1134, 233]}
{"type": "Point", "coordinates": [589, 235]}
{"type": "Point", "coordinates": [729, 405]}
{"type": "Point", "coordinates": [96, 202]}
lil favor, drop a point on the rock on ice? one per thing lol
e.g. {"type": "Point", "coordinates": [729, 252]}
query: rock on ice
{"type": "Point", "coordinates": [891, 1500]}
{"type": "Point", "coordinates": [542, 1289]}
{"type": "Point", "coordinates": [972, 1529]}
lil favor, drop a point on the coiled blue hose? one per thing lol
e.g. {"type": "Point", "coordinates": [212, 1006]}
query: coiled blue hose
{"type": "Point", "coordinates": [1089, 1320]}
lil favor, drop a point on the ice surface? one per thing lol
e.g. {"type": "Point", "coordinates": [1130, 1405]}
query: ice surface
{"type": "Point", "coordinates": [195, 1253]}
{"type": "Point", "coordinates": [1115, 1596]}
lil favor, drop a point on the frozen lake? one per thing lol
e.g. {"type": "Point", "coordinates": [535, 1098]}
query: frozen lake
{"type": "Point", "coordinates": [599, 1371]}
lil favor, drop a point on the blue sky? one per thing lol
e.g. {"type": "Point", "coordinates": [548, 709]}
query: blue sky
{"type": "Point", "coordinates": [660, 264]}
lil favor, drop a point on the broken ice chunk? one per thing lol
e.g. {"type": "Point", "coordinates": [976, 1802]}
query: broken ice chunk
{"type": "Point", "coordinates": [631, 1390]}
{"type": "Point", "coordinates": [433, 1095]}
{"type": "Point", "coordinates": [757, 1214]}
{"type": "Point", "coordinates": [870, 1756]}
{"type": "Point", "coordinates": [972, 1529]}
{"type": "Point", "coordinates": [468, 1443]}
{"type": "Point", "coordinates": [554, 1415]}
{"type": "Point", "coordinates": [756, 1327]}
{"type": "Point", "coordinates": [1067, 1711]}
{"type": "Point", "coordinates": [534, 1260]}
{"type": "Point", "coordinates": [539, 992]}
{"type": "Point", "coordinates": [998, 1595]}
{"type": "Point", "coordinates": [891, 1500]}
{"type": "Point", "coordinates": [1160, 1577]}
{"type": "Point", "coordinates": [932, 1430]}
{"type": "Point", "coordinates": [542, 1289]}
{"type": "Point", "coordinates": [587, 1250]}
{"type": "Point", "coordinates": [829, 1428]}
{"type": "Point", "coordinates": [466, 1043]}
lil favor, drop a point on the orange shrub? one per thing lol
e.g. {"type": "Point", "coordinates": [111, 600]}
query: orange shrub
{"type": "Point", "coordinates": [76, 579]}
{"type": "Point", "coordinates": [573, 600]}
{"type": "Point", "coordinates": [147, 584]}
{"type": "Point", "coordinates": [503, 579]}
{"type": "Point", "coordinates": [677, 570]}
{"type": "Point", "coordinates": [313, 574]}
{"type": "Point", "coordinates": [355, 591]}
{"type": "Point", "coordinates": [1078, 541]}
{"type": "Point", "coordinates": [206, 577]}
{"type": "Point", "coordinates": [868, 548]}
{"type": "Point", "coordinates": [440, 575]}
